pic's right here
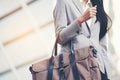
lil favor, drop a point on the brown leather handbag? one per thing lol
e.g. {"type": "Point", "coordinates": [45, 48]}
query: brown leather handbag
{"type": "Point", "coordinates": [79, 64]}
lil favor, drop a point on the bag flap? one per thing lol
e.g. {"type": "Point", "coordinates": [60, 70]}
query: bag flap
{"type": "Point", "coordinates": [43, 65]}
{"type": "Point", "coordinates": [80, 54]}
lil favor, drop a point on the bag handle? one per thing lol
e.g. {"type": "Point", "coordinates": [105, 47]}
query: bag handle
{"type": "Point", "coordinates": [51, 61]}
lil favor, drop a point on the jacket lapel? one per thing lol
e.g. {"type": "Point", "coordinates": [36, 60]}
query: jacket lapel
{"type": "Point", "coordinates": [78, 6]}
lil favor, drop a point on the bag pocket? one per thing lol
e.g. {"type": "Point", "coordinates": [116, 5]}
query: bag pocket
{"type": "Point", "coordinates": [94, 68]}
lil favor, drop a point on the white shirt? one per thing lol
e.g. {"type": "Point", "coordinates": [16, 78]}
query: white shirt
{"type": "Point", "coordinates": [85, 7]}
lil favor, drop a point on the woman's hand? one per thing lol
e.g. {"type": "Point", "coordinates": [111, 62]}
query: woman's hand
{"type": "Point", "coordinates": [89, 13]}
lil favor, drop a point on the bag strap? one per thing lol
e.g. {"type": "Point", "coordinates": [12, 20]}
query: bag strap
{"type": "Point", "coordinates": [50, 69]}
{"type": "Point", "coordinates": [72, 62]}
{"type": "Point", "coordinates": [72, 58]}
{"type": "Point", "coordinates": [61, 68]}
{"type": "Point", "coordinates": [51, 61]}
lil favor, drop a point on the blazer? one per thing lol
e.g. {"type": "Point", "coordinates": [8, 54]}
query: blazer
{"type": "Point", "coordinates": [66, 13]}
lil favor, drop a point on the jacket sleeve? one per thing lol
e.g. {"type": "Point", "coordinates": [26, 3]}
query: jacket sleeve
{"type": "Point", "coordinates": [103, 43]}
{"type": "Point", "coordinates": [64, 29]}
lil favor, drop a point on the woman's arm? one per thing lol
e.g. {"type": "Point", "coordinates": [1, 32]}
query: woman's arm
{"type": "Point", "coordinates": [62, 28]}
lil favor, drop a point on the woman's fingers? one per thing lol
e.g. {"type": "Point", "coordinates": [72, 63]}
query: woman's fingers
{"type": "Point", "coordinates": [92, 11]}
{"type": "Point", "coordinates": [89, 13]}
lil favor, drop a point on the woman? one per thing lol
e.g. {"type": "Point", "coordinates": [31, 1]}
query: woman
{"type": "Point", "coordinates": [85, 23]}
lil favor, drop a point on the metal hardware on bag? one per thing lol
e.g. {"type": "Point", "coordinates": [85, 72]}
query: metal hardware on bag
{"type": "Point", "coordinates": [92, 67]}
{"type": "Point", "coordinates": [72, 52]}
{"type": "Point", "coordinates": [94, 53]}
{"type": "Point", "coordinates": [62, 73]}
{"type": "Point", "coordinates": [61, 69]}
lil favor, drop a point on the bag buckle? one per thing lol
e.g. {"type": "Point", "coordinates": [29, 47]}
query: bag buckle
{"type": "Point", "coordinates": [61, 69]}
{"type": "Point", "coordinates": [94, 51]}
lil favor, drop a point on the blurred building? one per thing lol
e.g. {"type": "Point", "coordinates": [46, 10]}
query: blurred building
{"type": "Point", "coordinates": [27, 36]}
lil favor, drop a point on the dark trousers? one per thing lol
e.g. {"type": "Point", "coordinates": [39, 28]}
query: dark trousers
{"type": "Point", "coordinates": [104, 76]}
